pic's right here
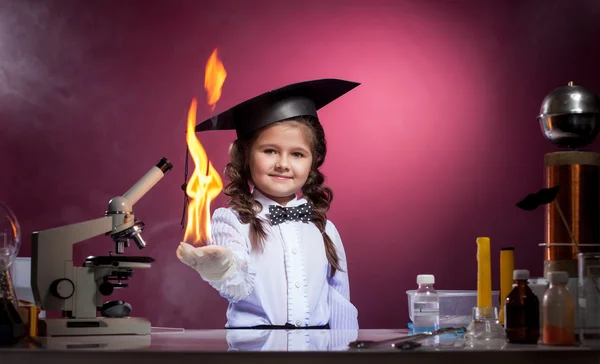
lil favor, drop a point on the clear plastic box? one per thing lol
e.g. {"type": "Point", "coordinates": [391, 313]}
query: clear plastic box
{"type": "Point", "coordinates": [456, 307]}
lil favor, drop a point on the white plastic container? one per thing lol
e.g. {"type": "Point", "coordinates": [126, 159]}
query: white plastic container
{"type": "Point", "coordinates": [456, 307]}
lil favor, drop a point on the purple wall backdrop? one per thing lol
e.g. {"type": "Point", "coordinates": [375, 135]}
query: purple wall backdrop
{"type": "Point", "coordinates": [431, 151]}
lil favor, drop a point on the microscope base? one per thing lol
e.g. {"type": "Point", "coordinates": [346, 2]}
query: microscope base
{"type": "Point", "coordinates": [95, 343]}
{"type": "Point", "coordinates": [94, 326]}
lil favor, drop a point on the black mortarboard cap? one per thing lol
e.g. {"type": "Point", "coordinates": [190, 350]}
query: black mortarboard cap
{"type": "Point", "coordinates": [295, 100]}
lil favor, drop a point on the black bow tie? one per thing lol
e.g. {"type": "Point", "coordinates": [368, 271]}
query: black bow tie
{"type": "Point", "coordinates": [280, 214]}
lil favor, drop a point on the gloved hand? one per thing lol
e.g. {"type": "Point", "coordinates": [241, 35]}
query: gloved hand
{"type": "Point", "coordinates": [213, 262]}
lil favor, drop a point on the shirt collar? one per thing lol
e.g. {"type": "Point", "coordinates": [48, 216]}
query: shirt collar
{"type": "Point", "coordinates": [265, 202]}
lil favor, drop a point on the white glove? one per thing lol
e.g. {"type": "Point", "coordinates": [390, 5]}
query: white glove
{"type": "Point", "coordinates": [213, 262]}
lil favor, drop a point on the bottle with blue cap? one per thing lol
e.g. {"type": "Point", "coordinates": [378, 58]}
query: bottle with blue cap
{"type": "Point", "coordinates": [426, 305]}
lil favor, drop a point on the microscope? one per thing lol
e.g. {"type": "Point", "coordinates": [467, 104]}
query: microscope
{"type": "Point", "coordinates": [77, 292]}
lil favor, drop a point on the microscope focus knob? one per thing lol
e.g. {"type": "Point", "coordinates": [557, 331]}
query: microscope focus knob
{"type": "Point", "coordinates": [62, 288]}
{"type": "Point", "coordinates": [106, 288]}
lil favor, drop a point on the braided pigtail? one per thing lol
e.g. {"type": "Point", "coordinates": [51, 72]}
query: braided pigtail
{"type": "Point", "coordinates": [240, 197]}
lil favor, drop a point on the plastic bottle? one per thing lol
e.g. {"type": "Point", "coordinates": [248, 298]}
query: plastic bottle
{"type": "Point", "coordinates": [558, 311]}
{"type": "Point", "coordinates": [426, 305]}
{"type": "Point", "coordinates": [522, 311]}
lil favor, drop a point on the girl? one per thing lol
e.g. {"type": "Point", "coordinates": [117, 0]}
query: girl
{"type": "Point", "coordinates": [275, 256]}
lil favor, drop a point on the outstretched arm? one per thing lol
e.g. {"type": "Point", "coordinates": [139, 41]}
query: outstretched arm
{"type": "Point", "coordinates": [226, 264]}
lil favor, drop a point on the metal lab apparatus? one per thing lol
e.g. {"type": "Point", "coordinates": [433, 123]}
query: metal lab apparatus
{"type": "Point", "coordinates": [570, 119]}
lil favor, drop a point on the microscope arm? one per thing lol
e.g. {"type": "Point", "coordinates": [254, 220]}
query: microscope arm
{"type": "Point", "coordinates": [52, 258]}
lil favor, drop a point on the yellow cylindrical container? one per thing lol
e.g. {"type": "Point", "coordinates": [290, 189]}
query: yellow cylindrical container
{"type": "Point", "coordinates": [507, 266]}
{"type": "Point", "coordinates": [484, 273]}
{"type": "Point", "coordinates": [33, 321]}
{"type": "Point", "coordinates": [29, 312]}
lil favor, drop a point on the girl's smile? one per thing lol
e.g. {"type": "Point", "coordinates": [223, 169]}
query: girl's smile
{"type": "Point", "coordinates": [280, 178]}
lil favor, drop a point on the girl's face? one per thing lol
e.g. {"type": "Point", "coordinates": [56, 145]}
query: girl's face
{"type": "Point", "coordinates": [280, 160]}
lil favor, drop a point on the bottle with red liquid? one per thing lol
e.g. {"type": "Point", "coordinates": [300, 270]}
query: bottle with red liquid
{"type": "Point", "coordinates": [522, 311]}
{"type": "Point", "coordinates": [558, 311]}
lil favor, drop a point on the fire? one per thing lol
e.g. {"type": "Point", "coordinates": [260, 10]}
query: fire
{"type": "Point", "coordinates": [205, 184]}
{"type": "Point", "coordinates": [214, 77]}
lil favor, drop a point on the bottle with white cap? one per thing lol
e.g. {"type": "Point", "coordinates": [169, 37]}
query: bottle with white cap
{"type": "Point", "coordinates": [522, 311]}
{"type": "Point", "coordinates": [426, 305]}
{"type": "Point", "coordinates": [558, 311]}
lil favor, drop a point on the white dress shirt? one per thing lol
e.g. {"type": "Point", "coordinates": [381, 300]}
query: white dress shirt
{"type": "Point", "coordinates": [287, 282]}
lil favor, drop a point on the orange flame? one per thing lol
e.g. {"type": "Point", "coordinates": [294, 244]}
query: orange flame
{"type": "Point", "coordinates": [205, 184]}
{"type": "Point", "coordinates": [214, 77]}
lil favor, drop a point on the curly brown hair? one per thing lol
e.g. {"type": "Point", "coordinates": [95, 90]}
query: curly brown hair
{"type": "Point", "coordinates": [320, 196]}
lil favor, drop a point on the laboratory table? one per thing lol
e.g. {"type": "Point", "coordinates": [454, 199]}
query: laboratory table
{"type": "Point", "coordinates": [274, 347]}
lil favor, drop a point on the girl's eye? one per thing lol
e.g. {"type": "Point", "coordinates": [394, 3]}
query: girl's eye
{"type": "Point", "coordinates": [269, 151]}
{"type": "Point", "coordinates": [298, 155]}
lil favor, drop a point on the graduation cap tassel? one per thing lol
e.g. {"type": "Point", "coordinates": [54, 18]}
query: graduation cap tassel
{"type": "Point", "coordinates": [184, 187]}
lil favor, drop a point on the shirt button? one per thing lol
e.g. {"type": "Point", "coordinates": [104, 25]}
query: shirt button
{"type": "Point", "coordinates": [298, 322]}
{"type": "Point", "coordinates": [294, 250]}
{"type": "Point", "coordinates": [297, 284]}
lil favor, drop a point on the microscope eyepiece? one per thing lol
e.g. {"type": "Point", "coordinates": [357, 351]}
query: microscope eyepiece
{"type": "Point", "coordinates": [147, 181]}
{"type": "Point", "coordinates": [164, 165]}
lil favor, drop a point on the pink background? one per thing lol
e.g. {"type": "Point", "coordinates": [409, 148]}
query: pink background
{"type": "Point", "coordinates": [431, 151]}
